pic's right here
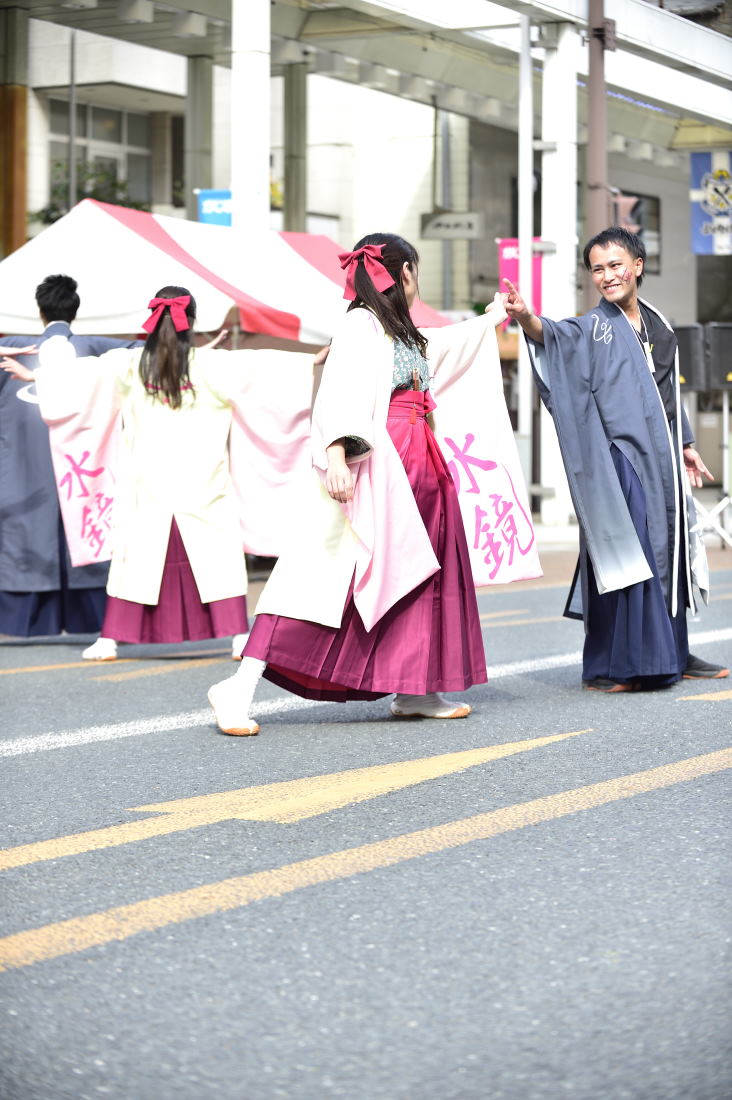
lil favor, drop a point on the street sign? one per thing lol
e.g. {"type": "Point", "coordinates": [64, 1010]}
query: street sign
{"type": "Point", "coordinates": [214, 207]}
{"type": "Point", "coordinates": [450, 225]}
{"type": "Point", "coordinates": [508, 266]}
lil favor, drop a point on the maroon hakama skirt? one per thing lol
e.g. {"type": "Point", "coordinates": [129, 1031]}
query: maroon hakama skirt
{"type": "Point", "coordinates": [179, 615]}
{"type": "Point", "coordinates": [430, 640]}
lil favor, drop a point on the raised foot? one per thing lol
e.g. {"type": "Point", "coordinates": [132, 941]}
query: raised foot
{"type": "Point", "coordinates": [223, 699]}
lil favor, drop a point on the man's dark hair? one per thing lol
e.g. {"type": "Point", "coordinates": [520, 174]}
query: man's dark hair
{"type": "Point", "coordinates": [57, 298]}
{"type": "Point", "coordinates": [615, 234]}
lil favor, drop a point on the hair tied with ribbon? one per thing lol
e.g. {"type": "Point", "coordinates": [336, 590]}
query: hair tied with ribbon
{"type": "Point", "coordinates": [177, 308]}
{"type": "Point", "coordinates": [371, 255]}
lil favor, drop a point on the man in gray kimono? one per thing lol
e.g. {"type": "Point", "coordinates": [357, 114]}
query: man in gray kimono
{"type": "Point", "coordinates": [41, 593]}
{"type": "Point", "coordinates": [610, 380]}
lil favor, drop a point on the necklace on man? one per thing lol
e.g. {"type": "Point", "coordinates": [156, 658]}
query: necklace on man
{"type": "Point", "coordinates": [645, 343]}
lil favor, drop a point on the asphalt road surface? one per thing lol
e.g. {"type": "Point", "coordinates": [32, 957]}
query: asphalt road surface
{"type": "Point", "coordinates": [529, 904]}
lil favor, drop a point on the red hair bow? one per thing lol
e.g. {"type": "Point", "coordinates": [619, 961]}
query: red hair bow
{"type": "Point", "coordinates": [177, 312]}
{"type": "Point", "coordinates": [371, 254]}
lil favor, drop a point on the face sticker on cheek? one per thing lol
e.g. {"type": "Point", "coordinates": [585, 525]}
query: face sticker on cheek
{"type": "Point", "coordinates": [626, 275]}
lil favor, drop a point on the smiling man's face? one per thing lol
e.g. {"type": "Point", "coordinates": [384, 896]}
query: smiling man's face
{"type": "Point", "coordinates": [615, 273]}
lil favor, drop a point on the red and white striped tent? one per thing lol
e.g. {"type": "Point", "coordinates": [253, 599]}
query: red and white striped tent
{"type": "Point", "coordinates": [285, 285]}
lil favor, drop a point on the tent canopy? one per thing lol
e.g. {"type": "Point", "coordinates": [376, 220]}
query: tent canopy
{"type": "Point", "coordinates": [285, 285]}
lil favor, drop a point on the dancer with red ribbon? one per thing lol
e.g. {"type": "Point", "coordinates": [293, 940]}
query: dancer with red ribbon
{"type": "Point", "coordinates": [178, 569]}
{"type": "Point", "coordinates": [376, 594]}
{"type": "Point", "coordinates": [178, 315]}
{"type": "Point", "coordinates": [370, 254]}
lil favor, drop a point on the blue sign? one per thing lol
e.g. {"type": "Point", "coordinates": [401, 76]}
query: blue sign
{"type": "Point", "coordinates": [214, 207]}
{"type": "Point", "coordinates": [711, 203]}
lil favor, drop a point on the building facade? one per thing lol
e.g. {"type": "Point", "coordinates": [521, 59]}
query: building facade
{"type": "Point", "coordinates": [364, 123]}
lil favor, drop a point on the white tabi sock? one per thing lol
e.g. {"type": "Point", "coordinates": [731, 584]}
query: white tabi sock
{"type": "Point", "coordinates": [231, 699]}
{"type": "Point", "coordinates": [237, 645]}
{"type": "Point", "coordinates": [247, 677]}
{"type": "Point", "coordinates": [104, 649]}
{"type": "Point", "coordinates": [432, 705]}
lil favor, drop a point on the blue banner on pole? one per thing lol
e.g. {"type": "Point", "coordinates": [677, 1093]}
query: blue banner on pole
{"type": "Point", "coordinates": [214, 207]}
{"type": "Point", "coordinates": [711, 203]}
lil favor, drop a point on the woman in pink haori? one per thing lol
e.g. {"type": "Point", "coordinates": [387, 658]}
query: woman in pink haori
{"type": "Point", "coordinates": [164, 483]}
{"type": "Point", "coordinates": [374, 594]}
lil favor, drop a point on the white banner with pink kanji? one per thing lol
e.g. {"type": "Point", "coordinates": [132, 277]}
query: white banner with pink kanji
{"type": "Point", "coordinates": [472, 427]}
{"type": "Point", "coordinates": [474, 432]}
{"type": "Point", "coordinates": [85, 483]}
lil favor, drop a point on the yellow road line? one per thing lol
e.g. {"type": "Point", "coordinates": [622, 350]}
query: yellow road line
{"type": "Point", "coordinates": [285, 802]}
{"type": "Point", "coordinates": [190, 653]}
{"type": "Point", "coordinates": [53, 668]}
{"type": "Point", "coordinates": [117, 924]}
{"type": "Point", "coordinates": [706, 696]}
{"type": "Point", "coordinates": [485, 615]}
{"type": "Point", "coordinates": [158, 670]}
{"type": "Point", "coordinates": [529, 622]}
{"type": "Point", "coordinates": [91, 665]}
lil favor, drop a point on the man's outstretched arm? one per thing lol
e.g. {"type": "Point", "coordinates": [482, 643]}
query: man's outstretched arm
{"type": "Point", "coordinates": [517, 309]}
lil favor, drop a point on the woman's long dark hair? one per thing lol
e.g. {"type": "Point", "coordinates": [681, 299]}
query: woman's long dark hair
{"type": "Point", "coordinates": [165, 358]}
{"type": "Point", "coordinates": [390, 306]}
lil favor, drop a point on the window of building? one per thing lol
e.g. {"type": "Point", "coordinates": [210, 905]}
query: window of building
{"type": "Point", "coordinates": [138, 131]}
{"type": "Point", "coordinates": [106, 125]}
{"type": "Point", "coordinates": [138, 177]}
{"type": "Point", "coordinates": [641, 214]}
{"type": "Point", "coordinates": [59, 118]}
{"type": "Point", "coordinates": [113, 153]}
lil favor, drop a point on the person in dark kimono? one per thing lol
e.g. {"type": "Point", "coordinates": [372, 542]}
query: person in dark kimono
{"type": "Point", "coordinates": [610, 381]}
{"type": "Point", "coordinates": [41, 593]}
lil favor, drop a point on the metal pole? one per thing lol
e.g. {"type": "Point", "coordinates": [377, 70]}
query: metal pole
{"type": "Point", "coordinates": [525, 230]}
{"type": "Point", "coordinates": [447, 205]}
{"type": "Point", "coordinates": [559, 232]}
{"type": "Point", "coordinates": [72, 121]}
{"type": "Point", "coordinates": [597, 215]}
{"type": "Point", "coordinates": [725, 450]}
{"type": "Point", "coordinates": [198, 118]}
{"type": "Point", "coordinates": [435, 137]}
{"type": "Point", "coordinates": [295, 204]}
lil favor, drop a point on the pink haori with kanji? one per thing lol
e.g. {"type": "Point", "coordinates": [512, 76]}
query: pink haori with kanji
{"type": "Point", "coordinates": [475, 435]}
{"type": "Point", "coordinates": [86, 501]}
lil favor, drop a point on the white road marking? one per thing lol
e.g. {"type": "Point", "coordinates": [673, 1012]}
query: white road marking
{"type": "Point", "coordinates": [537, 664]}
{"type": "Point", "coordinates": [65, 739]}
{"type": "Point", "coordinates": [43, 742]}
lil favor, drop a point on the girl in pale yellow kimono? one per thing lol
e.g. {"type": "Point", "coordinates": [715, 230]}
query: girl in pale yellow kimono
{"type": "Point", "coordinates": [178, 569]}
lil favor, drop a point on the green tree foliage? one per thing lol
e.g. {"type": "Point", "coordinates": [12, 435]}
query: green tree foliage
{"type": "Point", "coordinates": [91, 183]}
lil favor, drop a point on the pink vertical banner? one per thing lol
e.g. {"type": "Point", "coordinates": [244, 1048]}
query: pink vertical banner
{"type": "Point", "coordinates": [83, 461]}
{"type": "Point", "coordinates": [508, 268]}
